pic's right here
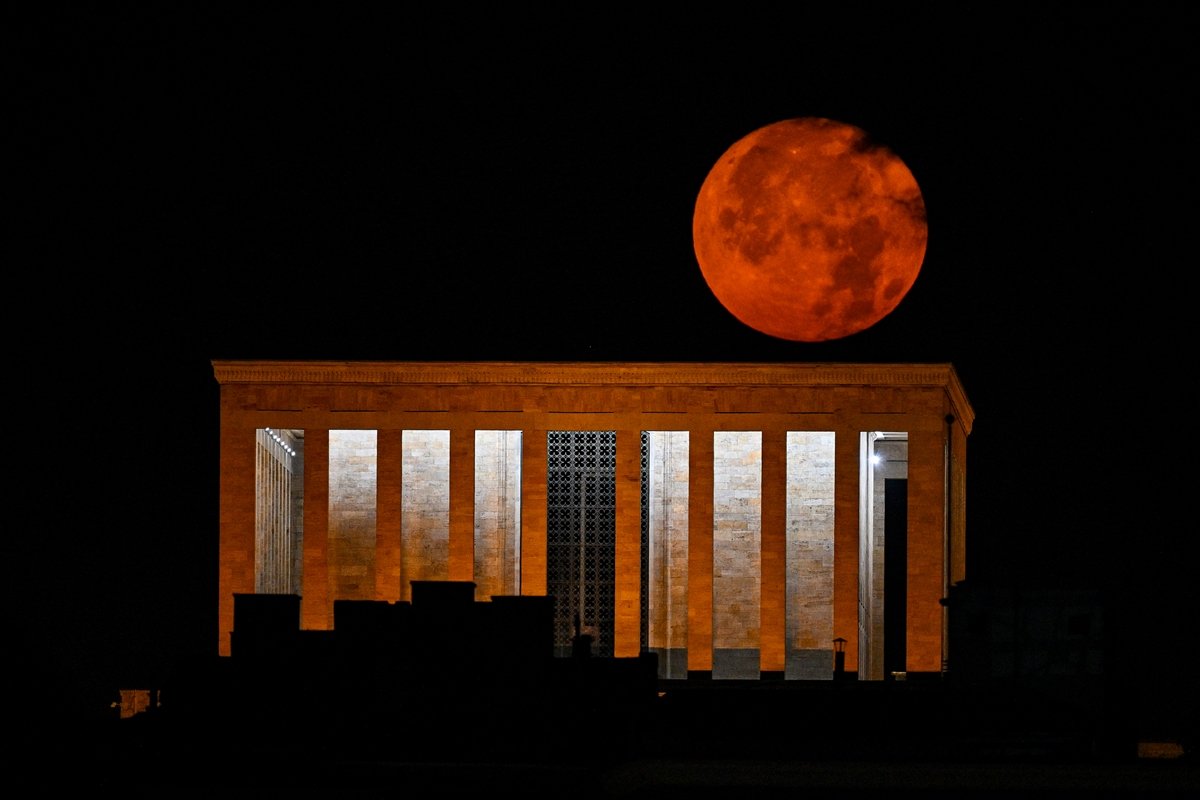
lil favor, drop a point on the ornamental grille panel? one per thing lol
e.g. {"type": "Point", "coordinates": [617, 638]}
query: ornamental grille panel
{"type": "Point", "coordinates": [581, 498]}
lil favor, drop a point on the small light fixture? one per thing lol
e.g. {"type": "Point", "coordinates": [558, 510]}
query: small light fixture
{"type": "Point", "coordinates": [279, 440]}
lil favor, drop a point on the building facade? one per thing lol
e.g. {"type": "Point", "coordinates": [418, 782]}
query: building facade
{"type": "Point", "coordinates": [733, 518]}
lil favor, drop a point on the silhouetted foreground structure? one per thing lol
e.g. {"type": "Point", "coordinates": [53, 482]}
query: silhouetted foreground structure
{"type": "Point", "coordinates": [449, 695]}
{"type": "Point", "coordinates": [440, 677]}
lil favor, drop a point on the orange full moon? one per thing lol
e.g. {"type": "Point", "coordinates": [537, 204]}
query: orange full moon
{"type": "Point", "coordinates": [805, 230]}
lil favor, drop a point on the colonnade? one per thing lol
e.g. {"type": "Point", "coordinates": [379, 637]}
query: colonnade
{"type": "Point", "coordinates": [697, 404]}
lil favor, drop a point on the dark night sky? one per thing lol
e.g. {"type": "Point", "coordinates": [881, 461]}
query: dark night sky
{"type": "Point", "coordinates": [200, 184]}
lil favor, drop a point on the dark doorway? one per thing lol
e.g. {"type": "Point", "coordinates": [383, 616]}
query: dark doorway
{"type": "Point", "coordinates": [895, 575]}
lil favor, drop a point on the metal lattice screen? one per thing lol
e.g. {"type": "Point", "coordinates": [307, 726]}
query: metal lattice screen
{"type": "Point", "coordinates": [581, 534]}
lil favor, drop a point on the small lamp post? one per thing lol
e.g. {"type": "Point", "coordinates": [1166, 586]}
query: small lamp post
{"type": "Point", "coordinates": [839, 658]}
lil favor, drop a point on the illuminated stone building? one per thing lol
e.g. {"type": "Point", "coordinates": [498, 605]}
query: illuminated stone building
{"type": "Point", "coordinates": [732, 518]}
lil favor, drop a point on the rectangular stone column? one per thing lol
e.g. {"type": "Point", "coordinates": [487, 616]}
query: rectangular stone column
{"type": "Point", "coordinates": [700, 553]}
{"type": "Point", "coordinates": [773, 559]}
{"type": "Point", "coordinates": [388, 510]}
{"type": "Point", "coordinates": [957, 475]}
{"type": "Point", "coordinates": [926, 549]}
{"type": "Point", "coordinates": [462, 504]}
{"type": "Point", "coordinates": [316, 607]}
{"type": "Point", "coordinates": [627, 637]}
{"type": "Point", "coordinates": [847, 477]}
{"type": "Point", "coordinates": [533, 511]}
{"type": "Point", "coordinates": [237, 510]}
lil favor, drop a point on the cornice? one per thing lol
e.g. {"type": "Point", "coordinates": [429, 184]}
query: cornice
{"type": "Point", "coordinates": [718, 375]}
{"type": "Point", "coordinates": [581, 373]}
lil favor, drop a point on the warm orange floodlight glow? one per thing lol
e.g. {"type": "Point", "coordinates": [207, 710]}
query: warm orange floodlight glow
{"type": "Point", "coordinates": [807, 231]}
